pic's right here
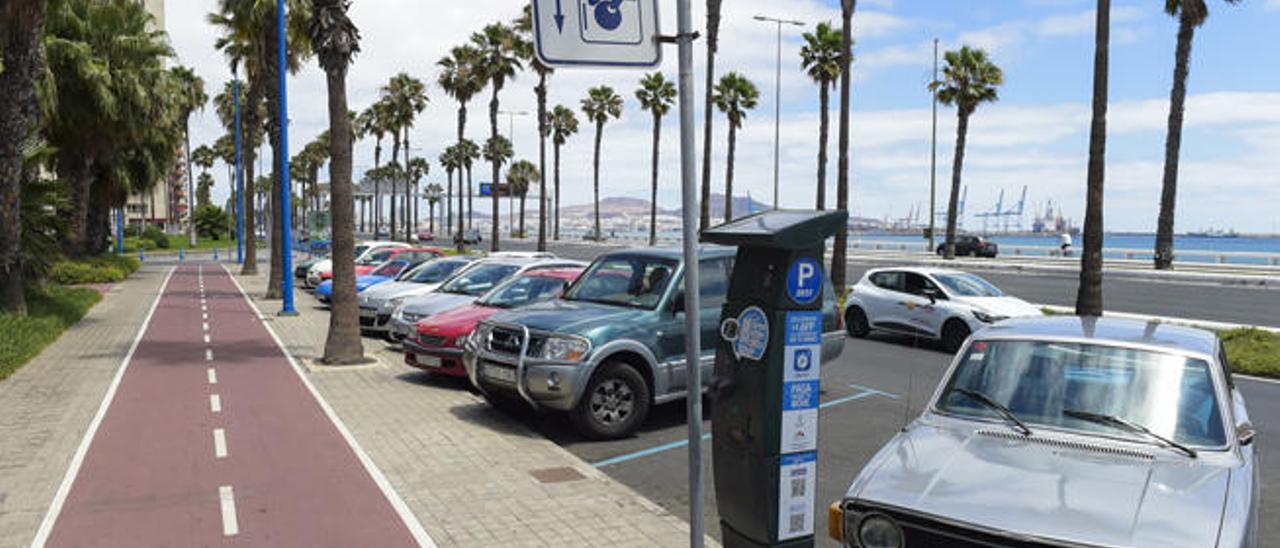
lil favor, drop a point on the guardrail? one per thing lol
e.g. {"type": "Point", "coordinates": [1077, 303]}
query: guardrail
{"type": "Point", "coordinates": [1206, 256]}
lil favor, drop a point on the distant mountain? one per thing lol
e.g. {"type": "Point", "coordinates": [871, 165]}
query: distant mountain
{"type": "Point", "coordinates": [610, 207]}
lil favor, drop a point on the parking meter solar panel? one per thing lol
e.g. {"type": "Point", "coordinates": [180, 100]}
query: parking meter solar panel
{"type": "Point", "coordinates": [767, 377]}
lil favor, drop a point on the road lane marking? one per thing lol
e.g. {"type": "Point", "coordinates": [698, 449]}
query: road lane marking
{"type": "Point", "coordinates": [227, 498]}
{"type": "Point", "coordinates": [398, 504]}
{"type": "Point", "coordinates": [204, 315]}
{"type": "Point", "coordinates": [206, 338]}
{"type": "Point", "coordinates": [213, 376]}
{"type": "Point", "coordinates": [208, 354]}
{"type": "Point", "coordinates": [219, 443]}
{"type": "Point", "coordinates": [205, 326]}
{"type": "Point", "coordinates": [77, 460]}
{"type": "Point", "coordinates": [215, 403]}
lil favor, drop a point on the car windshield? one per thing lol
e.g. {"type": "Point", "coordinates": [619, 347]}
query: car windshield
{"type": "Point", "coordinates": [523, 291]}
{"type": "Point", "coordinates": [433, 272]}
{"type": "Point", "coordinates": [967, 285]}
{"type": "Point", "coordinates": [479, 280]}
{"type": "Point", "coordinates": [390, 269]}
{"type": "Point", "coordinates": [626, 280]}
{"type": "Point", "coordinates": [1053, 383]}
{"type": "Point", "coordinates": [378, 257]}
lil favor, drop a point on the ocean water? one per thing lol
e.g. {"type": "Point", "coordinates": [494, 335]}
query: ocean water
{"type": "Point", "coordinates": [1142, 244]}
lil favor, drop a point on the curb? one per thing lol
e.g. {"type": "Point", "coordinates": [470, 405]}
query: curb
{"type": "Point", "coordinates": [1189, 322]}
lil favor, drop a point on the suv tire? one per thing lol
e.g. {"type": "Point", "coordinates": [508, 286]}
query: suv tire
{"type": "Point", "coordinates": [855, 322]}
{"type": "Point", "coordinates": [614, 404]}
{"type": "Point", "coordinates": [954, 333]}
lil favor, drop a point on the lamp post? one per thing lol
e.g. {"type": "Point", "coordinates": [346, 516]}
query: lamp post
{"type": "Point", "coordinates": [933, 156]}
{"type": "Point", "coordinates": [286, 236]}
{"type": "Point", "coordinates": [239, 182]}
{"type": "Point", "coordinates": [777, 97]}
{"type": "Point", "coordinates": [511, 136]}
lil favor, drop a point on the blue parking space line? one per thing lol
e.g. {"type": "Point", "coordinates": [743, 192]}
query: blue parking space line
{"type": "Point", "coordinates": [865, 393]}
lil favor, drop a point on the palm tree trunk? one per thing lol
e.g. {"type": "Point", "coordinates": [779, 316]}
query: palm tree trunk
{"type": "Point", "coordinates": [395, 159]}
{"type": "Point", "coordinates": [275, 121]}
{"type": "Point", "coordinates": [653, 195]}
{"type": "Point", "coordinates": [409, 195]}
{"type": "Point", "coordinates": [461, 210]}
{"type": "Point", "coordinates": [493, 135]}
{"type": "Point", "coordinates": [728, 172]}
{"type": "Point", "coordinates": [824, 128]}
{"type": "Point", "coordinates": [541, 91]}
{"type": "Point", "coordinates": [840, 248]}
{"type": "Point", "coordinates": [708, 109]}
{"type": "Point", "coordinates": [471, 206]}
{"type": "Point", "coordinates": [962, 133]}
{"type": "Point", "coordinates": [342, 346]}
{"type": "Point", "coordinates": [596, 177]}
{"type": "Point", "coordinates": [1089, 295]}
{"type": "Point", "coordinates": [79, 173]}
{"type": "Point", "coordinates": [1173, 144]}
{"type": "Point", "coordinates": [251, 125]}
{"type": "Point", "coordinates": [447, 225]}
{"type": "Point", "coordinates": [557, 182]}
{"type": "Point", "coordinates": [20, 55]}
{"type": "Point", "coordinates": [191, 187]}
{"type": "Point", "coordinates": [522, 198]}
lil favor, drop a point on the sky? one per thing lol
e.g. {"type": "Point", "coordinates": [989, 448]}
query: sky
{"type": "Point", "coordinates": [1035, 136]}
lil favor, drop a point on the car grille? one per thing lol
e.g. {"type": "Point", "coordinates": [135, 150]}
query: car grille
{"type": "Point", "coordinates": [383, 319]}
{"type": "Point", "coordinates": [366, 321]}
{"type": "Point", "coordinates": [368, 308]}
{"type": "Point", "coordinates": [432, 340]}
{"type": "Point", "coordinates": [924, 532]}
{"type": "Point", "coordinates": [505, 340]}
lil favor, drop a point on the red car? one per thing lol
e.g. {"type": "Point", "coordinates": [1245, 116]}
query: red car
{"type": "Point", "coordinates": [382, 257]}
{"type": "Point", "coordinates": [438, 345]}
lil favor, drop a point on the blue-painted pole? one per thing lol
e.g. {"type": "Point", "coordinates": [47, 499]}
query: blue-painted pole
{"type": "Point", "coordinates": [120, 231]}
{"type": "Point", "coordinates": [286, 236]}
{"type": "Point", "coordinates": [239, 190]}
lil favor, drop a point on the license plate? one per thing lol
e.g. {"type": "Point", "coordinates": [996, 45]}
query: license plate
{"type": "Point", "coordinates": [428, 361]}
{"type": "Point", "coordinates": [500, 373]}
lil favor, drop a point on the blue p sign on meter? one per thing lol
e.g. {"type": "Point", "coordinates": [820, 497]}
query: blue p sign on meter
{"type": "Point", "coordinates": [804, 281]}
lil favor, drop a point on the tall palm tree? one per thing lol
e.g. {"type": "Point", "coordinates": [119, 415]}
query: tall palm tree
{"type": "Point", "coordinates": [418, 168]}
{"type": "Point", "coordinates": [1191, 14]}
{"type": "Point", "coordinates": [734, 96]}
{"type": "Point", "coordinates": [450, 162]}
{"type": "Point", "coordinates": [969, 79]}
{"type": "Point", "coordinates": [407, 97]}
{"type": "Point", "coordinates": [600, 104]}
{"type": "Point", "coordinates": [713, 41]}
{"type": "Point", "coordinates": [22, 22]}
{"type": "Point", "coordinates": [1089, 294]}
{"type": "Point", "coordinates": [376, 121]}
{"type": "Point", "coordinates": [468, 152]}
{"type": "Point", "coordinates": [461, 77]}
{"type": "Point", "coordinates": [204, 157]}
{"type": "Point", "coordinates": [840, 248]}
{"type": "Point", "coordinates": [524, 25]}
{"type": "Point", "coordinates": [563, 125]}
{"type": "Point", "coordinates": [499, 48]}
{"type": "Point", "coordinates": [521, 176]}
{"type": "Point", "coordinates": [820, 58]}
{"type": "Point", "coordinates": [193, 99]}
{"type": "Point", "coordinates": [497, 151]}
{"type": "Point", "coordinates": [656, 95]}
{"type": "Point", "coordinates": [434, 193]}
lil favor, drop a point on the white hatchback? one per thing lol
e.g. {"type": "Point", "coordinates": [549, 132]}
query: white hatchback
{"type": "Point", "coordinates": [947, 305]}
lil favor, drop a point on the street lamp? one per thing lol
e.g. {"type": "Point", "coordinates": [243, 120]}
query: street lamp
{"type": "Point", "coordinates": [777, 97]}
{"type": "Point", "coordinates": [286, 236]}
{"type": "Point", "coordinates": [511, 136]}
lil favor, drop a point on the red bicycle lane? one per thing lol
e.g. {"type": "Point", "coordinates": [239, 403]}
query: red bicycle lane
{"type": "Point", "coordinates": [212, 438]}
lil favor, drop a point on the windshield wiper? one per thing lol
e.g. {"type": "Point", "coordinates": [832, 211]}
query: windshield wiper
{"type": "Point", "coordinates": [986, 400]}
{"type": "Point", "coordinates": [1129, 426]}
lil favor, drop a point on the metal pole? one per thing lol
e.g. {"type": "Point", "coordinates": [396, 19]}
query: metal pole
{"type": "Point", "coordinates": [933, 158]}
{"type": "Point", "coordinates": [120, 230]}
{"type": "Point", "coordinates": [693, 329]}
{"type": "Point", "coordinates": [286, 236]}
{"type": "Point", "coordinates": [777, 114]}
{"type": "Point", "coordinates": [239, 182]}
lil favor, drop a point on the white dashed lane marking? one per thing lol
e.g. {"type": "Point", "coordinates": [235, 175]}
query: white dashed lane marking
{"type": "Point", "coordinates": [215, 403]}
{"type": "Point", "coordinates": [213, 376]}
{"type": "Point", "coordinates": [227, 497]}
{"type": "Point", "coordinates": [206, 338]}
{"type": "Point", "coordinates": [208, 354]}
{"type": "Point", "coordinates": [219, 443]}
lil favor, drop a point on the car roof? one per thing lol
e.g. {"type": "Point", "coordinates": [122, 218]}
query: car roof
{"type": "Point", "coordinates": [676, 253]}
{"type": "Point", "coordinates": [927, 270]}
{"type": "Point", "coordinates": [1108, 330]}
{"type": "Point", "coordinates": [567, 274]}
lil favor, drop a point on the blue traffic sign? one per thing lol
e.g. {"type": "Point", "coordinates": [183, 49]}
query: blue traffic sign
{"type": "Point", "coordinates": [602, 33]}
{"type": "Point", "coordinates": [804, 281]}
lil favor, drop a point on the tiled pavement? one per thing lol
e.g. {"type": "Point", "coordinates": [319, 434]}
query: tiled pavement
{"type": "Point", "coordinates": [467, 472]}
{"type": "Point", "coordinates": [47, 405]}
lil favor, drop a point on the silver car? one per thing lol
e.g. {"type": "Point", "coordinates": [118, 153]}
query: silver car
{"type": "Point", "coordinates": [1072, 432]}
{"type": "Point", "coordinates": [378, 302]}
{"type": "Point", "coordinates": [464, 288]}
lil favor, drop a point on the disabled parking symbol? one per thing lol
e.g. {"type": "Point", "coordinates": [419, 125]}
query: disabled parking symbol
{"type": "Point", "coordinates": [618, 22]}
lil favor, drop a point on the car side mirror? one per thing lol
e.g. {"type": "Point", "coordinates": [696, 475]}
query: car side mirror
{"type": "Point", "coordinates": [1245, 433]}
{"type": "Point", "coordinates": [677, 303]}
{"type": "Point", "coordinates": [933, 294]}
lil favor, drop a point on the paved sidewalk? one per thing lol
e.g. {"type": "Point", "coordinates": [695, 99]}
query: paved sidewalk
{"type": "Point", "coordinates": [472, 476]}
{"type": "Point", "coordinates": [47, 405]}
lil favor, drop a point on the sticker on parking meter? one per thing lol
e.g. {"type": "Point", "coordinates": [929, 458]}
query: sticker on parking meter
{"type": "Point", "coordinates": [796, 478]}
{"type": "Point", "coordinates": [749, 333]}
{"type": "Point", "coordinates": [802, 353]}
{"type": "Point", "coordinates": [804, 280]}
{"type": "Point", "coordinates": [799, 431]}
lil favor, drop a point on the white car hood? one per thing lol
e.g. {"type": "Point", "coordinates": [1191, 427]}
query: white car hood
{"type": "Point", "coordinates": [1005, 307]}
{"type": "Point", "coordinates": [322, 266]}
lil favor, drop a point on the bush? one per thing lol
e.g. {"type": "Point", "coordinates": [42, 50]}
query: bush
{"type": "Point", "coordinates": [1253, 351]}
{"type": "Point", "coordinates": [51, 309]}
{"type": "Point", "coordinates": [157, 237]}
{"type": "Point", "coordinates": [94, 270]}
{"type": "Point", "coordinates": [132, 245]}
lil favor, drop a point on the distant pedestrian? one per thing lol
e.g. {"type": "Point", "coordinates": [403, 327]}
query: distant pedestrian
{"type": "Point", "coordinates": [1064, 243]}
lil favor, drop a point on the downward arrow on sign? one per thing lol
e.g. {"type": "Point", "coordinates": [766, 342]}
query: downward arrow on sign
{"type": "Point", "coordinates": [559, 17]}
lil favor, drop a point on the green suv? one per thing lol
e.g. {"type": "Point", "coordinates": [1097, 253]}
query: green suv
{"type": "Point", "coordinates": [614, 344]}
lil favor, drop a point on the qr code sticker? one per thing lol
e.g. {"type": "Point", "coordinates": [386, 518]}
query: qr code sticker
{"type": "Point", "coordinates": [797, 487]}
{"type": "Point", "coordinates": [796, 523]}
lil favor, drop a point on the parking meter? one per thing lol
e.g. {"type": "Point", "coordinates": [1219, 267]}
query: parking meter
{"type": "Point", "coordinates": [764, 417]}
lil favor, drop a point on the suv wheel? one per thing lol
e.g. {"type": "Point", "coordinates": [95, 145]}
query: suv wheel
{"type": "Point", "coordinates": [954, 334]}
{"type": "Point", "coordinates": [855, 322]}
{"type": "Point", "coordinates": [615, 403]}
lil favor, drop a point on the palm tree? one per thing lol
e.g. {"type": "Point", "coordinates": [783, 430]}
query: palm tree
{"type": "Point", "coordinates": [418, 168]}
{"type": "Point", "coordinates": [497, 151]}
{"type": "Point", "coordinates": [600, 104]}
{"type": "Point", "coordinates": [20, 55]}
{"type": "Point", "coordinates": [820, 58]}
{"type": "Point", "coordinates": [376, 121]}
{"type": "Point", "coordinates": [204, 184]}
{"type": "Point", "coordinates": [407, 97]}
{"type": "Point", "coordinates": [461, 77]}
{"type": "Point", "coordinates": [968, 80]}
{"type": "Point", "coordinates": [656, 95]}
{"type": "Point", "coordinates": [524, 25]}
{"type": "Point", "coordinates": [468, 152]}
{"type": "Point", "coordinates": [840, 248]}
{"type": "Point", "coordinates": [734, 96]}
{"type": "Point", "coordinates": [713, 41]}
{"type": "Point", "coordinates": [193, 99]}
{"type": "Point", "coordinates": [1089, 294]}
{"type": "Point", "coordinates": [499, 48]}
{"type": "Point", "coordinates": [434, 193]}
{"type": "Point", "coordinates": [1191, 14]}
{"type": "Point", "coordinates": [450, 162]}
{"type": "Point", "coordinates": [563, 125]}
{"type": "Point", "coordinates": [204, 158]}
{"type": "Point", "coordinates": [521, 176]}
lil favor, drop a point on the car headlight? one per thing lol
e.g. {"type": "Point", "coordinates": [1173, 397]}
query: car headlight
{"type": "Point", "coordinates": [565, 349]}
{"type": "Point", "coordinates": [877, 531]}
{"type": "Point", "coordinates": [988, 318]}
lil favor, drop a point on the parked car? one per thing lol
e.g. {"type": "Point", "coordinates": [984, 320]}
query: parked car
{"type": "Point", "coordinates": [425, 236]}
{"type": "Point", "coordinates": [942, 304]}
{"type": "Point", "coordinates": [399, 264]}
{"type": "Point", "coordinates": [468, 237]}
{"type": "Point", "coordinates": [380, 257]}
{"type": "Point", "coordinates": [378, 302]}
{"type": "Point", "coordinates": [362, 250]}
{"type": "Point", "coordinates": [1068, 431]}
{"type": "Point", "coordinates": [463, 289]}
{"type": "Point", "coordinates": [300, 270]}
{"type": "Point", "coordinates": [614, 345]}
{"type": "Point", "coordinates": [971, 245]}
{"type": "Point", "coordinates": [438, 344]}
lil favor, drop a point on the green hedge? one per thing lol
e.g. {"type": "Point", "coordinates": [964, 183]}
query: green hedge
{"type": "Point", "coordinates": [93, 270]}
{"type": "Point", "coordinates": [1253, 351]}
{"type": "Point", "coordinates": [51, 309]}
